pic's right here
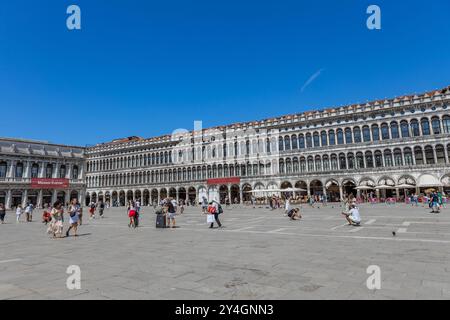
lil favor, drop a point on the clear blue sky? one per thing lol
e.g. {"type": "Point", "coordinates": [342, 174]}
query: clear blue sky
{"type": "Point", "coordinates": [148, 67]}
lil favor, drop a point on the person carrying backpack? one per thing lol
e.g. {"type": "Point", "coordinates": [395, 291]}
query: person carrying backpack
{"type": "Point", "coordinates": [216, 210]}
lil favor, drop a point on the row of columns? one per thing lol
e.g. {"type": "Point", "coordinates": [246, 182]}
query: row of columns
{"type": "Point", "coordinates": [25, 194]}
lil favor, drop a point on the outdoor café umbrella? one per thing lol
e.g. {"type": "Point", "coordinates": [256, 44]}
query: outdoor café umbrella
{"type": "Point", "coordinates": [364, 188]}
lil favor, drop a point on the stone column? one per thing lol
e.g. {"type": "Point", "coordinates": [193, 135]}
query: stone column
{"type": "Point", "coordinates": [241, 194]}
{"type": "Point", "coordinates": [8, 199]}
{"type": "Point", "coordinates": [159, 196]}
{"type": "Point", "coordinates": [325, 193]}
{"type": "Point", "coordinates": [447, 160]}
{"type": "Point", "coordinates": [39, 199]}
{"type": "Point", "coordinates": [10, 173]}
{"type": "Point", "coordinates": [54, 196]}
{"type": "Point", "coordinates": [229, 194]}
{"type": "Point", "coordinates": [24, 198]}
{"type": "Point", "coordinates": [341, 192]}
{"type": "Point", "coordinates": [42, 166]}
{"type": "Point", "coordinates": [308, 188]}
{"type": "Point", "coordinates": [27, 172]}
{"type": "Point", "coordinates": [81, 197]}
{"type": "Point", "coordinates": [69, 171]}
{"type": "Point", "coordinates": [67, 197]}
{"type": "Point", "coordinates": [56, 173]}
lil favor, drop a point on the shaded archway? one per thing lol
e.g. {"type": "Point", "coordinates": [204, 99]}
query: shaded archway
{"type": "Point", "coordinates": [235, 194]}
{"type": "Point", "coordinates": [247, 192]}
{"type": "Point", "coordinates": [223, 191]}
{"type": "Point", "coordinates": [114, 199]}
{"type": "Point", "coordinates": [2, 197]}
{"type": "Point", "coordinates": [173, 193]}
{"type": "Point", "coordinates": [316, 188]}
{"type": "Point", "coordinates": [129, 196]}
{"type": "Point", "coordinates": [73, 195]}
{"type": "Point", "coordinates": [94, 197]}
{"type": "Point", "coordinates": [87, 199]}
{"type": "Point", "coordinates": [192, 195]}
{"type": "Point", "coordinates": [122, 198]}
{"type": "Point", "coordinates": [138, 196]}
{"type": "Point", "coordinates": [61, 197]}
{"type": "Point", "coordinates": [32, 197]}
{"type": "Point", "coordinates": [333, 193]}
{"type": "Point", "coordinates": [146, 198]}
{"type": "Point", "coordinates": [182, 194]}
{"type": "Point", "coordinates": [349, 187]}
{"type": "Point", "coordinates": [163, 193]}
{"type": "Point", "coordinates": [154, 196]}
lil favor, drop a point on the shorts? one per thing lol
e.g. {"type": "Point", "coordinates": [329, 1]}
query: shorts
{"type": "Point", "coordinates": [132, 213]}
{"type": "Point", "coordinates": [171, 215]}
{"type": "Point", "coordinates": [2, 216]}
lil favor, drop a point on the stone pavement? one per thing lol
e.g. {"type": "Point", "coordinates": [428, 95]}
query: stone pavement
{"type": "Point", "coordinates": [259, 255]}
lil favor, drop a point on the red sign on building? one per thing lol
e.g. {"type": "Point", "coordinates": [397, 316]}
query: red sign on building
{"type": "Point", "coordinates": [223, 181]}
{"type": "Point", "coordinates": [41, 183]}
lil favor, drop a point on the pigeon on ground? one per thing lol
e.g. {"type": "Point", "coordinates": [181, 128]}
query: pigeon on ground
{"type": "Point", "coordinates": [394, 233]}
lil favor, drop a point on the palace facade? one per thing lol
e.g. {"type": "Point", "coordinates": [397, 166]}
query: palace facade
{"type": "Point", "coordinates": [388, 147]}
{"type": "Point", "coordinates": [40, 172]}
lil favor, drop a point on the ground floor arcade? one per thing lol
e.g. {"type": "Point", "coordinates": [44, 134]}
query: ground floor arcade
{"type": "Point", "coordinates": [11, 198]}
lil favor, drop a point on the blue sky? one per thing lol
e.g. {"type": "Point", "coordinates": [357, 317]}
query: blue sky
{"type": "Point", "coordinates": [148, 67]}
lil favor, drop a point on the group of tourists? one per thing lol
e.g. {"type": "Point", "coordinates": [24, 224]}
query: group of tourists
{"type": "Point", "coordinates": [54, 217]}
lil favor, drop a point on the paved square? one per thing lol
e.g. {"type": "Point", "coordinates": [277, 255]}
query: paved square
{"type": "Point", "coordinates": [259, 255]}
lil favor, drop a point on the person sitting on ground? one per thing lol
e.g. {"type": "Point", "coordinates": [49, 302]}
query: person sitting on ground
{"type": "Point", "coordinates": [352, 216]}
{"type": "Point", "coordinates": [294, 214]}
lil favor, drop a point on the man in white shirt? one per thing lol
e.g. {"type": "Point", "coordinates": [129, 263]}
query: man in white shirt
{"type": "Point", "coordinates": [352, 216]}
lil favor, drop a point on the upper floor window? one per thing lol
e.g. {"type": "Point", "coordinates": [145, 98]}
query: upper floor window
{"type": "Point", "coordinates": [324, 138]}
{"type": "Point", "coordinates": [348, 136]}
{"type": "Point", "coordinates": [316, 139]}
{"type": "Point", "coordinates": [49, 171]}
{"type": "Point", "coordinates": [75, 172]}
{"type": "Point", "coordinates": [366, 134]}
{"type": "Point", "coordinates": [340, 136]}
{"type": "Point", "coordinates": [436, 125]}
{"type": "Point", "coordinates": [415, 128]}
{"type": "Point", "coordinates": [34, 170]}
{"type": "Point", "coordinates": [384, 131]}
{"type": "Point", "coordinates": [19, 170]}
{"type": "Point", "coordinates": [294, 142]}
{"type": "Point", "coordinates": [446, 124]}
{"type": "Point", "coordinates": [375, 133]}
{"type": "Point", "coordinates": [62, 172]}
{"type": "Point", "coordinates": [357, 134]}
{"type": "Point", "coordinates": [301, 142]}
{"type": "Point", "coordinates": [332, 138]}
{"type": "Point", "coordinates": [3, 168]}
{"type": "Point", "coordinates": [425, 127]}
{"type": "Point", "coordinates": [394, 130]}
{"type": "Point", "coordinates": [308, 140]}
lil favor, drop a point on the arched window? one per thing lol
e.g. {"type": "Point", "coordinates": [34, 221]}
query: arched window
{"type": "Point", "coordinates": [385, 131]}
{"type": "Point", "coordinates": [308, 140]}
{"type": "Point", "coordinates": [394, 130]}
{"type": "Point", "coordinates": [425, 127]}
{"type": "Point", "coordinates": [318, 161]}
{"type": "Point", "coordinates": [429, 155]}
{"type": "Point", "coordinates": [398, 158]}
{"type": "Point", "coordinates": [440, 154]}
{"type": "Point", "coordinates": [49, 171]}
{"type": "Point", "coordinates": [310, 164]}
{"type": "Point", "coordinates": [418, 155]}
{"type": "Point", "coordinates": [294, 142]}
{"type": "Point", "coordinates": [366, 134]}
{"type": "Point", "coordinates": [408, 157]}
{"type": "Point", "coordinates": [267, 145]}
{"type": "Point", "coordinates": [316, 140]}
{"type": "Point", "coordinates": [19, 170]}
{"type": "Point", "coordinates": [446, 124]}
{"type": "Point", "coordinates": [348, 136]}
{"type": "Point", "coordinates": [360, 160]}
{"type": "Point", "coordinates": [357, 134]}
{"type": "Point", "coordinates": [287, 143]}
{"type": "Point", "coordinates": [342, 160]}
{"type": "Point", "coordinates": [3, 169]}
{"type": "Point", "coordinates": [405, 129]}
{"type": "Point", "coordinates": [351, 161]}
{"type": "Point", "coordinates": [331, 138]}
{"type": "Point", "coordinates": [34, 170]}
{"type": "Point", "coordinates": [378, 159]}
{"type": "Point", "coordinates": [75, 172]}
{"type": "Point", "coordinates": [62, 172]}
{"type": "Point", "coordinates": [369, 159]}
{"type": "Point", "coordinates": [436, 125]}
{"type": "Point", "coordinates": [324, 139]}
{"type": "Point", "coordinates": [375, 133]}
{"type": "Point", "coordinates": [415, 128]}
{"type": "Point", "coordinates": [280, 144]}
{"type": "Point", "coordinates": [340, 136]}
{"type": "Point", "coordinates": [326, 163]}
{"type": "Point", "coordinates": [301, 141]}
{"type": "Point", "coordinates": [334, 162]}
{"type": "Point", "coordinates": [388, 158]}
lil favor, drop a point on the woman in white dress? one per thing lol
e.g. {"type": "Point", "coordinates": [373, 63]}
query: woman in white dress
{"type": "Point", "coordinates": [19, 212]}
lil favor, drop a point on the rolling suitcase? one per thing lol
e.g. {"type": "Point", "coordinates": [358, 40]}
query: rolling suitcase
{"type": "Point", "coordinates": [160, 221]}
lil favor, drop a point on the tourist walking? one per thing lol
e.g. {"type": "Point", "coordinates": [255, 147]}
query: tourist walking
{"type": "Point", "coordinates": [204, 205]}
{"type": "Point", "coordinates": [19, 212]}
{"type": "Point", "coordinates": [56, 224]}
{"type": "Point", "coordinates": [101, 208]}
{"type": "Point", "coordinates": [215, 209]}
{"type": "Point", "coordinates": [29, 212]}
{"type": "Point", "coordinates": [74, 213]}
{"type": "Point", "coordinates": [2, 213]}
{"type": "Point", "coordinates": [171, 212]}
{"type": "Point", "coordinates": [131, 210]}
{"type": "Point", "coordinates": [93, 206]}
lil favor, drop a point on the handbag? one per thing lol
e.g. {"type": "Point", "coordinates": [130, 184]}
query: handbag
{"type": "Point", "coordinates": [210, 218]}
